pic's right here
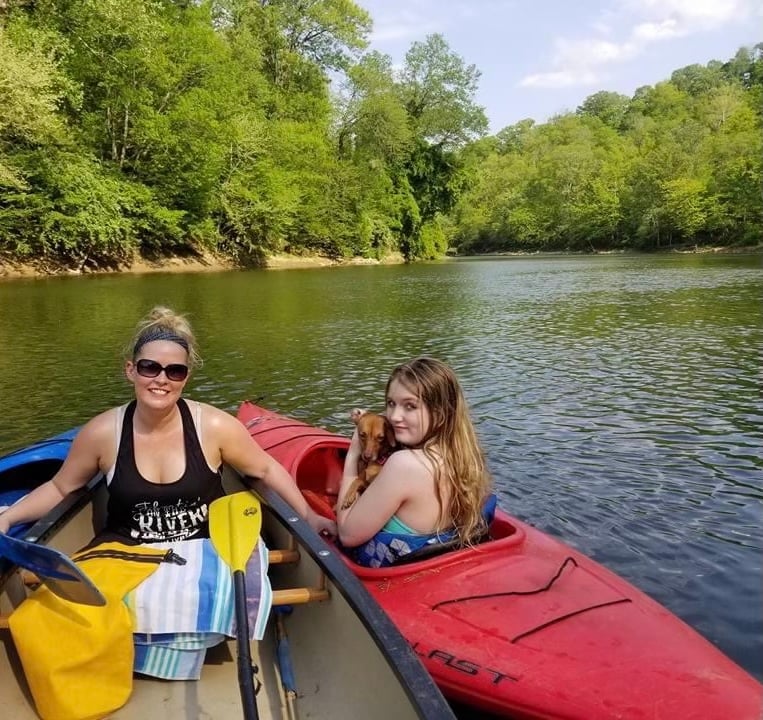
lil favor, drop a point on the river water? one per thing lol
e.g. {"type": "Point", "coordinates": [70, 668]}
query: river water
{"type": "Point", "coordinates": [618, 397]}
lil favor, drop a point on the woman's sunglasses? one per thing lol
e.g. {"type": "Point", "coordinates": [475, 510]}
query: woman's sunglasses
{"type": "Point", "coordinates": [151, 369]}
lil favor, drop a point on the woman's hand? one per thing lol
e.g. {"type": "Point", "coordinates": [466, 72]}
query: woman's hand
{"type": "Point", "coordinates": [5, 526]}
{"type": "Point", "coordinates": [322, 525]}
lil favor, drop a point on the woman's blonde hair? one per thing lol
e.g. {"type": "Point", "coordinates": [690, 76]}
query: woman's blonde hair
{"type": "Point", "coordinates": [450, 443]}
{"type": "Point", "coordinates": [162, 323]}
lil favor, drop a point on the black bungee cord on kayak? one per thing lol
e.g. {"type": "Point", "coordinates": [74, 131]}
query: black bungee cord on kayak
{"type": "Point", "coordinates": [569, 560]}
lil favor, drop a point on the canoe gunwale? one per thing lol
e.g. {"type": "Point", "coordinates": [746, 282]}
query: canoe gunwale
{"type": "Point", "coordinates": [419, 686]}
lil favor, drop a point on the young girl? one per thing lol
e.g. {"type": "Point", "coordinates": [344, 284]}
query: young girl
{"type": "Point", "coordinates": [430, 491]}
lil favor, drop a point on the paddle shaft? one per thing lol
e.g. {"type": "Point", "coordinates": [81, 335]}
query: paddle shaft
{"type": "Point", "coordinates": [234, 526]}
{"type": "Point", "coordinates": [284, 662]}
{"type": "Point", "coordinates": [245, 669]}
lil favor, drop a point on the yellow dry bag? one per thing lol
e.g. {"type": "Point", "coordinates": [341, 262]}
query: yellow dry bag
{"type": "Point", "coordinates": [78, 659]}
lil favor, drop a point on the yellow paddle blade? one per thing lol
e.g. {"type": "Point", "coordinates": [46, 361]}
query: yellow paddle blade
{"type": "Point", "coordinates": [234, 527]}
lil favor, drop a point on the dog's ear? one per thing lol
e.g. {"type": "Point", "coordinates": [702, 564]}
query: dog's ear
{"type": "Point", "coordinates": [356, 414]}
{"type": "Point", "coordinates": [390, 433]}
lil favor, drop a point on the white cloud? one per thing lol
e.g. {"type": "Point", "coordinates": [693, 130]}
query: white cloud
{"type": "Point", "coordinates": [579, 63]}
{"type": "Point", "coordinates": [602, 27]}
{"type": "Point", "coordinates": [559, 79]}
{"type": "Point", "coordinates": [417, 19]}
{"type": "Point", "coordinates": [638, 24]}
{"type": "Point", "coordinates": [691, 15]}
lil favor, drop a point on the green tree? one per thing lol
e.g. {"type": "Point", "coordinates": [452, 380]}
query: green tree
{"type": "Point", "coordinates": [610, 107]}
{"type": "Point", "coordinates": [683, 208]}
{"type": "Point", "coordinates": [437, 89]}
{"type": "Point", "coordinates": [372, 123]}
{"type": "Point", "coordinates": [698, 79]}
{"type": "Point", "coordinates": [514, 137]}
{"type": "Point", "coordinates": [31, 88]}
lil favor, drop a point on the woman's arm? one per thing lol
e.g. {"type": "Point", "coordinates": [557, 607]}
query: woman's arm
{"type": "Point", "coordinates": [80, 466]}
{"type": "Point", "coordinates": [240, 450]}
{"type": "Point", "coordinates": [32, 506]}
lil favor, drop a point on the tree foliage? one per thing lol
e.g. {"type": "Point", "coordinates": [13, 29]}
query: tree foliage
{"type": "Point", "coordinates": [160, 126]}
{"type": "Point", "coordinates": [678, 163]}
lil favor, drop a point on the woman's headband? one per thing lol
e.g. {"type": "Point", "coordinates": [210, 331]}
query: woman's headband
{"type": "Point", "coordinates": [159, 333]}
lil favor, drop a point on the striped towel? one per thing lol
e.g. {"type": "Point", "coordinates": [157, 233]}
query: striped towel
{"type": "Point", "coordinates": [181, 610]}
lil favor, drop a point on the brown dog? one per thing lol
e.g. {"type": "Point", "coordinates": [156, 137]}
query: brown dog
{"type": "Point", "coordinates": [377, 441]}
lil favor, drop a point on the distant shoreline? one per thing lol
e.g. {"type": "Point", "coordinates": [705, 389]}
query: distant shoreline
{"type": "Point", "coordinates": [676, 250]}
{"type": "Point", "coordinates": [208, 262]}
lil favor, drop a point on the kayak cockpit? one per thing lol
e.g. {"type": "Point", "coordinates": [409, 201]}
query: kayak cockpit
{"type": "Point", "coordinates": [318, 471]}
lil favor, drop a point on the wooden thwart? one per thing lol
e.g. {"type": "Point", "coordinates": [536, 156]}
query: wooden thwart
{"type": "Point", "coordinates": [281, 557]}
{"type": "Point", "coordinates": [29, 578]}
{"type": "Point", "coordinates": [299, 596]}
{"type": "Point", "coordinates": [289, 596]}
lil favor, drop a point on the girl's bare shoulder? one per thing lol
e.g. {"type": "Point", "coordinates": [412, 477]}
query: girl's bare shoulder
{"type": "Point", "coordinates": [409, 460]}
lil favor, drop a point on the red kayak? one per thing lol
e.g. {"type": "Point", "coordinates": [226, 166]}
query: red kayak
{"type": "Point", "coordinates": [524, 626]}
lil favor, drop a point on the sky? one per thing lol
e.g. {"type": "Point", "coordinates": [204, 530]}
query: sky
{"type": "Point", "coordinates": [539, 58]}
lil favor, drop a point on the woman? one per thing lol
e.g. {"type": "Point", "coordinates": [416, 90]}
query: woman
{"type": "Point", "coordinates": [161, 454]}
{"type": "Point", "coordinates": [430, 491]}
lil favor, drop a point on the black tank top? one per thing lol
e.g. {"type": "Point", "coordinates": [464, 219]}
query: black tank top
{"type": "Point", "coordinates": [140, 511]}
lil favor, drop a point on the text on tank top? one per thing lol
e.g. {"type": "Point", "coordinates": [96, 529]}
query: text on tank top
{"type": "Point", "coordinates": [144, 511]}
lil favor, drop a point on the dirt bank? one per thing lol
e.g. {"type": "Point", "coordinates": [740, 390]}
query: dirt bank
{"type": "Point", "coordinates": [203, 262]}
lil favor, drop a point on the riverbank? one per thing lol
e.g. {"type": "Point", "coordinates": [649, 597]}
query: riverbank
{"type": "Point", "coordinates": [201, 262]}
{"type": "Point", "coordinates": [209, 262]}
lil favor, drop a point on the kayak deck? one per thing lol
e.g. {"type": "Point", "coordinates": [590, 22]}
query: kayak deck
{"type": "Point", "coordinates": [522, 625]}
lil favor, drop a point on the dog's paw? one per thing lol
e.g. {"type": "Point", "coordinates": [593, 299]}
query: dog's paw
{"type": "Point", "coordinates": [356, 414]}
{"type": "Point", "coordinates": [349, 500]}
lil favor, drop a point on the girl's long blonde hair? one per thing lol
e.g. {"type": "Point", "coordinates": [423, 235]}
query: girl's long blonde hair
{"type": "Point", "coordinates": [450, 443]}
